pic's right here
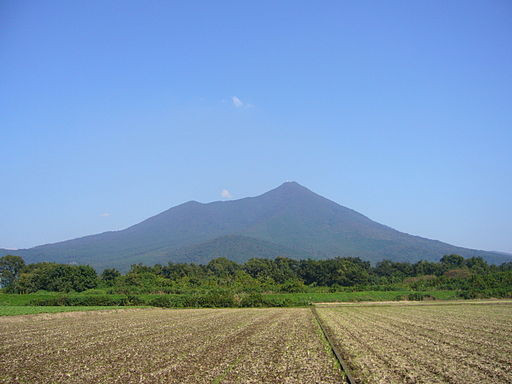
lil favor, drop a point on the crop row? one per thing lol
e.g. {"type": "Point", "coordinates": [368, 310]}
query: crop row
{"type": "Point", "coordinates": [166, 346]}
{"type": "Point", "coordinates": [420, 344]}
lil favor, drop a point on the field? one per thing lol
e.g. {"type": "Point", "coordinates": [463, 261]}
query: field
{"type": "Point", "coordinates": [459, 343]}
{"type": "Point", "coordinates": [386, 342]}
{"type": "Point", "coordinates": [167, 346]}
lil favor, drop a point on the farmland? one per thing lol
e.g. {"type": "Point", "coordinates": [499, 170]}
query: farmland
{"type": "Point", "coordinates": [166, 346]}
{"type": "Point", "coordinates": [461, 343]}
{"type": "Point", "coordinates": [386, 342]}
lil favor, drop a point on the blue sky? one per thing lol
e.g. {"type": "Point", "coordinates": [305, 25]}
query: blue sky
{"type": "Point", "coordinates": [112, 111]}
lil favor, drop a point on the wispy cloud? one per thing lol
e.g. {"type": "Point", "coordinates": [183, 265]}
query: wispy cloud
{"type": "Point", "coordinates": [237, 102]}
{"type": "Point", "coordinates": [226, 194]}
{"type": "Point", "coordinates": [105, 214]}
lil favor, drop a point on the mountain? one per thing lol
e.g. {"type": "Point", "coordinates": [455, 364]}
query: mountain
{"type": "Point", "coordinates": [234, 247]}
{"type": "Point", "coordinates": [287, 221]}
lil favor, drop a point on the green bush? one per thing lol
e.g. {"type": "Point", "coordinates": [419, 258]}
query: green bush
{"type": "Point", "coordinates": [293, 286]}
{"type": "Point", "coordinates": [416, 296]}
{"type": "Point", "coordinates": [496, 293]}
{"type": "Point", "coordinates": [259, 300]}
{"type": "Point", "coordinates": [252, 300]}
{"type": "Point", "coordinates": [96, 300]}
{"type": "Point", "coordinates": [224, 300]}
{"type": "Point", "coordinates": [167, 302]}
{"type": "Point", "coordinates": [217, 300]}
{"type": "Point", "coordinates": [209, 300]}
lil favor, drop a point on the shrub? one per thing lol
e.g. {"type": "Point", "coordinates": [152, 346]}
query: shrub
{"type": "Point", "coordinates": [224, 300]}
{"type": "Point", "coordinates": [219, 299]}
{"type": "Point", "coordinates": [167, 302]}
{"type": "Point", "coordinates": [215, 299]}
{"type": "Point", "coordinates": [496, 293]}
{"type": "Point", "coordinates": [293, 286]}
{"type": "Point", "coordinates": [459, 273]}
{"type": "Point", "coordinates": [419, 297]}
{"type": "Point", "coordinates": [96, 300]}
{"type": "Point", "coordinates": [252, 300]}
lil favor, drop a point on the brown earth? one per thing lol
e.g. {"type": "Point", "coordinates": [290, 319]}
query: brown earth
{"type": "Point", "coordinates": [424, 344]}
{"type": "Point", "coordinates": [166, 346]}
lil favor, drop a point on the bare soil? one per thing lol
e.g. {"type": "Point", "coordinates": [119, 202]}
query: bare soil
{"type": "Point", "coordinates": [424, 343]}
{"type": "Point", "coordinates": [166, 346]}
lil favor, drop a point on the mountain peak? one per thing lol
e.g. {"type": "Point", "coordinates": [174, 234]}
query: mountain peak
{"type": "Point", "coordinates": [291, 187]}
{"type": "Point", "coordinates": [291, 184]}
{"type": "Point", "coordinates": [291, 190]}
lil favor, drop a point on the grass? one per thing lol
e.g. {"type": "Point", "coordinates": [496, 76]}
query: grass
{"type": "Point", "coordinates": [15, 299]}
{"type": "Point", "coordinates": [13, 310]}
{"type": "Point", "coordinates": [361, 296]}
{"type": "Point", "coordinates": [9, 302]}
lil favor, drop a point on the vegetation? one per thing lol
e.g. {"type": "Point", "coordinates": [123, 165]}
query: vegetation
{"type": "Point", "coordinates": [213, 299]}
{"type": "Point", "coordinates": [258, 282]}
{"type": "Point", "coordinates": [10, 268]}
{"type": "Point", "coordinates": [11, 310]}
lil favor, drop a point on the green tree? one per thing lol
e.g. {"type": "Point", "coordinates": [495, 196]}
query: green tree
{"type": "Point", "coordinates": [56, 277]}
{"type": "Point", "coordinates": [222, 267]}
{"type": "Point", "coordinates": [293, 286]}
{"type": "Point", "coordinates": [452, 262]}
{"type": "Point", "coordinates": [476, 264]}
{"type": "Point", "coordinates": [110, 275]}
{"type": "Point", "coordinates": [10, 268]}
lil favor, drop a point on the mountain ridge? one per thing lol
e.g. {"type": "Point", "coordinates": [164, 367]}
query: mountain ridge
{"type": "Point", "coordinates": [289, 219]}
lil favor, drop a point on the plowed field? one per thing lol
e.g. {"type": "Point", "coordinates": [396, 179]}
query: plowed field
{"type": "Point", "coordinates": [383, 343]}
{"type": "Point", "coordinates": [424, 343]}
{"type": "Point", "coordinates": [166, 346]}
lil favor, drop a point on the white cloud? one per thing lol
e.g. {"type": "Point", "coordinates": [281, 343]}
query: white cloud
{"type": "Point", "coordinates": [105, 214]}
{"type": "Point", "coordinates": [237, 102]}
{"type": "Point", "coordinates": [226, 194]}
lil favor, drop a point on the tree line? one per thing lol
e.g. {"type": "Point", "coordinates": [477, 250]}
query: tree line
{"type": "Point", "coordinates": [452, 272]}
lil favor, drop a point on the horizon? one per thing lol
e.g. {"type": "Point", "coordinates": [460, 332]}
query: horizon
{"type": "Point", "coordinates": [399, 111]}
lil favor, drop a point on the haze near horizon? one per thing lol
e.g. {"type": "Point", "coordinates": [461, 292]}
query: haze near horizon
{"type": "Point", "coordinates": [401, 111]}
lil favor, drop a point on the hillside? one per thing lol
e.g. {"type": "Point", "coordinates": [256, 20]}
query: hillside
{"type": "Point", "coordinates": [234, 247]}
{"type": "Point", "coordinates": [289, 221]}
